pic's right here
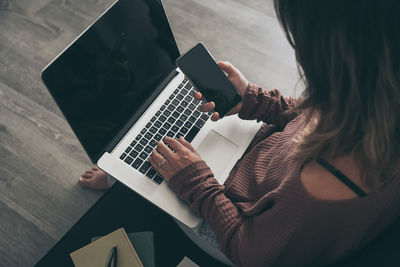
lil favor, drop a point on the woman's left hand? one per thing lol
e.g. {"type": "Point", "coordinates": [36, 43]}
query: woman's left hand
{"type": "Point", "coordinates": [167, 162]}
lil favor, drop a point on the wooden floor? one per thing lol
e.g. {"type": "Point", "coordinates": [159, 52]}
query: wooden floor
{"type": "Point", "coordinates": [40, 157]}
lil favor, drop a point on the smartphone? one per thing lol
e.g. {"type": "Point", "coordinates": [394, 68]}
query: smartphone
{"type": "Point", "coordinates": [201, 69]}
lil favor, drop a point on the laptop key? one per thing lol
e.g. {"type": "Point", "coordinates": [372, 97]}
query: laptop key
{"type": "Point", "coordinates": [162, 131]}
{"type": "Point", "coordinates": [176, 91]}
{"type": "Point", "coordinates": [167, 113]}
{"type": "Point", "coordinates": [167, 102]}
{"type": "Point", "coordinates": [153, 130]}
{"type": "Point", "coordinates": [179, 123]}
{"type": "Point", "coordinates": [175, 114]}
{"type": "Point", "coordinates": [187, 112]}
{"type": "Point", "coordinates": [158, 124]}
{"type": "Point", "coordinates": [143, 141]}
{"type": "Point", "coordinates": [188, 98]}
{"type": "Point", "coordinates": [183, 117]}
{"type": "Point", "coordinates": [134, 142]}
{"type": "Point", "coordinates": [167, 125]}
{"type": "Point", "coordinates": [136, 164]}
{"type": "Point", "coordinates": [128, 149]}
{"type": "Point", "coordinates": [184, 130]}
{"type": "Point", "coordinates": [162, 118]}
{"type": "Point", "coordinates": [138, 137]}
{"type": "Point", "coordinates": [143, 130]}
{"type": "Point", "coordinates": [179, 109]}
{"type": "Point", "coordinates": [133, 154]}
{"type": "Point", "coordinates": [184, 103]}
{"type": "Point", "coordinates": [148, 136]}
{"type": "Point", "coordinates": [204, 116]}
{"type": "Point", "coordinates": [171, 120]}
{"type": "Point", "coordinates": [158, 179]}
{"type": "Point", "coordinates": [188, 124]}
{"type": "Point", "coordinates": [199, 123]}
{"type": "Point", "coordinates": [188, 86]}
{"type": "Point", "coordinates": [138, 147]}
{"type": "Point", "coordinates": [179, 135]}
{"type": "Point", "coordinates": [192, 119]}
{"type": "Point", "coordinates": [153, 143]}
{"type": "Point", "coordinates": [146, 165]}
{"type": "Point", "coordinates": [128, 160]}
{"type": "Point", "coordinates": [148, 149]}
{"type": "Point", "coordinates": [171, 96]}
{"type": "Point", "coordinates": [170, 134]}
{"type": "Point", "coordinates": [153, 119]}
{"type": "Point", "coordinates": [175, 128]}
{"type": "Point", "coordinates": [180, 86]}
{"type": "Point", "coordinates": [158, 137]}
{"type": "Point", "coordinates": [171, 107]}
{"type": "Point", "coordinates": [179, 97]}
{"type": "Point", "coordinates": [175, 102]}
{"type": "Point", "coordinates": [158, 113]}
{"type": "Point", "coordinates": [192, 106]}
{"type": "Point", "coordinates": [151, 173]}
{"type": "Point", "coordinates": [122, 156]}
{"type": "Point", "coordinates": [191, 134]}
{"type": "Point", "coordinates": [162, 107]}
{"type": "Point", "coordinates": [143, 155]}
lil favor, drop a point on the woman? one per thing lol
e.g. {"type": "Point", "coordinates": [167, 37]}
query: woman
{"type": "Point", "coordinates": [322, 176]}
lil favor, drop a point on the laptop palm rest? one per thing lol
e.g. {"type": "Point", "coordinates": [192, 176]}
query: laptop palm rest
{"type": "Point", "coordinates": [217, 151]}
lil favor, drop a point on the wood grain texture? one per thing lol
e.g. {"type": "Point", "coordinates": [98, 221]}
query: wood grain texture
{"type": "Point", "coordinates": [41, 159]}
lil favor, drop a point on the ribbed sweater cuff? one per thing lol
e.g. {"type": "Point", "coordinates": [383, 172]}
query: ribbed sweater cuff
{"type": "Point", "coordinates": [249, 100]}
{"type": "Point", "coordinates": [192, 174]}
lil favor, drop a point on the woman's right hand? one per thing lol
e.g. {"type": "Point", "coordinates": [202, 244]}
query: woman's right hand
{"type": "Point", "coordinates": [237, 79]}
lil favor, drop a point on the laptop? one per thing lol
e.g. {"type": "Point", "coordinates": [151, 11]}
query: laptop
{"type": "Point", "coordinates": [120, 91]}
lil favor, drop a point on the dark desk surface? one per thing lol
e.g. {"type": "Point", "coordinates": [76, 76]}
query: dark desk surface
{"type": "Point", "coordinates": [121, 207]}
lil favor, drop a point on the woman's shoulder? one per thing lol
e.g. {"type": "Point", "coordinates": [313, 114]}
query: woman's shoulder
{"type": "Point", "coordinates": [321, 184]}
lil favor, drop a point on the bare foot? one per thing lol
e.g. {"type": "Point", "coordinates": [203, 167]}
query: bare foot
{"type": "Point", "coordinates": [94, 179]}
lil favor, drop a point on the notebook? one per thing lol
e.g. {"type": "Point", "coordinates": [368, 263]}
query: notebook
{"type": "Point", "coordinates": [96, 254]}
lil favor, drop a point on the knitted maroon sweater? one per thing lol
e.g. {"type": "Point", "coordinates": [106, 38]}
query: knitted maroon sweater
{"type": "Point", "coordinates": [263, 215]}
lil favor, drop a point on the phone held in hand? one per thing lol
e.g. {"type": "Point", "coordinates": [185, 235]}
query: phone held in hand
{"type": "Point", "coordinates": [201, 69]}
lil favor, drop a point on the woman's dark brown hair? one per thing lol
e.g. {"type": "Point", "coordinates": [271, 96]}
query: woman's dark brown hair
{"type": "Point", "coordinates": [349, 56]}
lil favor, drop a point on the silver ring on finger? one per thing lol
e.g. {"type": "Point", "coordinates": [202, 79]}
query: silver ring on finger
{"type": "Point", "coordinates": [161, 162]}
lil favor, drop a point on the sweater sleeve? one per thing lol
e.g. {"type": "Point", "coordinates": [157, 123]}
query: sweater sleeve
{"type": "Point", "coordinates": [247, 240]}
{"type": "Point", "coordinates": [267, 106]}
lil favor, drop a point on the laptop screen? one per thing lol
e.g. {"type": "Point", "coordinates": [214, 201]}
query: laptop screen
{"type": "Point", "coordinates": [104, 77]}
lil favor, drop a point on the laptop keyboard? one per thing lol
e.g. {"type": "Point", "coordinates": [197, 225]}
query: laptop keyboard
{"type": "Point", "coordinates": [178, 116]}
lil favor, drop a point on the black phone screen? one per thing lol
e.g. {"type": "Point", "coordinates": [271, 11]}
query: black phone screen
{"type": "Point", "coordinates": [206, 76]}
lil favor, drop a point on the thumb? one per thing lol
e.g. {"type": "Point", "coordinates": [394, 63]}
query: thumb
{"type": "Point", "coordinates": [227, 67]}
{"type": "Point", "coordinates": [187, 144]}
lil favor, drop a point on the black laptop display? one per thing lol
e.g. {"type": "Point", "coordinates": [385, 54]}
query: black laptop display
{"type": "Point", "coordinates": [98, 87]}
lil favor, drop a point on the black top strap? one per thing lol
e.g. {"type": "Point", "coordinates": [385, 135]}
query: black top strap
{"type": "Point", "coordinates": [341, 177]}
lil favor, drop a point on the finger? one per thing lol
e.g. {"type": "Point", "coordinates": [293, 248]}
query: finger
{"type": "Point", "coordinates": [154, 163]}
{"type": "Point", "coordinates": [164, 150]}
{"type": "Point", "coordinates": [198, 95]}
{"type": "Point", "coordinates": [174, 144]}
{"type": "Point", "coordinates": [207, 107]}
{"type": "Point", "coordinates": [227, 67]}
{"type": "Point", "coordinates": [187, 144]}
{"type": "Point", "coordinates": [215, 116]}
{"type": "Point", "coordinates": [157, 157]}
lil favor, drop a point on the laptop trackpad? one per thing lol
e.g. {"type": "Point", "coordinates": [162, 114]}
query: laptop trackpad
{"type": "Point", "coordinates": [217, 152]}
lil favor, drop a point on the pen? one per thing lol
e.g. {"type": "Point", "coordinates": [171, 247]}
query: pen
{"type": "Point", "coordinates": [112, 257]}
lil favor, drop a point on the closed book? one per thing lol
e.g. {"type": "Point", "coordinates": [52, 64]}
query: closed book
{"type": "Point", "coordinates": [143, 242]}
{"type": "Point", "coordinates": [96, 253]}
